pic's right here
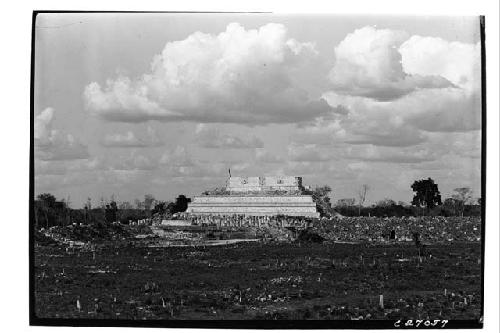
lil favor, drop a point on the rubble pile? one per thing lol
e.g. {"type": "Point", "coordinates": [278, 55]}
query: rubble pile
{"type": "Point", "coordinates": [431, 229]}
{"type": "Point", "coordinates": [72, 234]}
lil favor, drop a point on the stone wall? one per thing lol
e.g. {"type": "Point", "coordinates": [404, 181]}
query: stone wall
{"type": "Point", "coordinates": [262, 184]}
{"type": "Point", "coordinates": [298, 205]}
{"type": "Point", "coordinates": [255, 199]}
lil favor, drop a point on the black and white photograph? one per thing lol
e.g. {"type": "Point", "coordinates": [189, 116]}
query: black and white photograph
{"type": "Point", "coordinates": [257, 170]}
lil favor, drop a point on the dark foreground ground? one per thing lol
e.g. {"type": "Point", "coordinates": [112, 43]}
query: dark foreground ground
{"type": "Point", "coordinates": [259, 281]}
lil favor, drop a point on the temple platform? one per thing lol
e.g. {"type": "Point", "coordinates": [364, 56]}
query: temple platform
{"type": "Point", "coordinates": [254, 205]}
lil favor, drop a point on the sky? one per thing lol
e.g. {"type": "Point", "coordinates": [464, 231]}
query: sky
{"type": "Point", "coordinates": [164, 104]}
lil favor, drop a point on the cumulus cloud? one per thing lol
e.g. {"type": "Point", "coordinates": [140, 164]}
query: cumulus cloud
{"type": "Point", "coordinates": [366, 124]}
{"type": "Point", "coordinates": [384, 80]}
{"type": "Point", "coordinates": [442, 110]}
{"type": "Point", "coordinates": [177, 156]}
{"type": "Point", "coordinates": [389, 155]}
{"type": "Point", "coordinates": [317, 169]}
{"type": "Point", "coordinates": [67, 167]}
{"type": "Point", "coordinates": [399, 137]}
{"type": "Point", "coordinates": [53, 144]}
{"type": "Point", "coordinates": [135, 161]}
{"type": "Point", "coordinates": [368, 63]}
{"type": "Point", "coordinates": [211, 137]}
{"type": "Point", "coordinates": [321, 131]}
{"type": "Point", "coordinates": [264, 156]}
{"type": "Point", "coordinates": [308, 153]}
{"type": "Point", "coordinates": [129, 140]}
{"type": "Point", "coordinates": [407, 121]}
{"type": "Point", "coordinates": [433, 110]}
{"type": "Point", "coordinates": [458, 62]}
{"type": "Point", "coordinates": [240, 76]}
{"type": "Point", "coordinates": [463, 145]}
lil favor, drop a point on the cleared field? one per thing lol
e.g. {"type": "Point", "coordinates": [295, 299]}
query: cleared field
{"type": "Point", "coordinates": [256, 280]}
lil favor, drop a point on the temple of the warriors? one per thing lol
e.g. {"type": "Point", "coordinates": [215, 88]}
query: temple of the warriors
{"type": "Point", "coordinates": [257, 196]}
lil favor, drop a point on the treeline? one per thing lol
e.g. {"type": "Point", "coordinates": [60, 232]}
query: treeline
{"type": "Point", "coordinates": [48, 211]}
{"type": "Point", "coordinates": [401, 209]}
{"type": "Point", "coordinates": [426, 201]}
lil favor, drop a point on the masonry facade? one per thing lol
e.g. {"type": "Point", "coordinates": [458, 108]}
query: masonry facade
{"type": "Point", "coordinates": [264, 184]}
{"type": "Point", "coordinates": [257, 196]}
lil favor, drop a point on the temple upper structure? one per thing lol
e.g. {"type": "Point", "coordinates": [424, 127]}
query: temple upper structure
{"type": "Point", "coordinates": [264, 184]}
{"type": "Point", "coordinates": [257, 196]}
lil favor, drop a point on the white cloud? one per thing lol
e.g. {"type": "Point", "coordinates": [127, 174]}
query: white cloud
{"type": "Point", "coordinates": [370, 60]}
{"type": "Point", "coordinates": [389, 154]}
{"type": "Point", "coordinates": [211, 137]}
{"type": "Point", "coordinates": [129, 139]}
{"type": "Point", "coordinates": [321, 170]}
{"type": "Point", "coordinates": [308, 153]}
{"type": "Point", "coordinates": [264, 156]}
{"type": "Point", "coordinates": [43, 125]}
{"type": "Point", "coordinates": [458, 62]}
{"type": "Point", "coordinates": [407, 121]}
{"type": "Point", "coordinates": [368, 63]}
{"type": "Point", "coordinates": [241, 76]}
{"type": "Point", "coordinates": [66, 167]}
{"type": "Point", "coordinates": [52, 144]}
{"type": "Point", "coordinates": [178, 157]}
{"type": "Point", "coordinates": [321, 131]}
{"type": "Point", "coordinates": [367, 122]}
{"type": "Point", "coordinates": [135, 161]}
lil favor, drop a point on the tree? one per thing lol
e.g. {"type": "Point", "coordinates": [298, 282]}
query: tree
{"type": "Point", "coordinates": [160, 208]}
{"type": "Point", "coordinates": [138, 204]}
{"type": "Point", "coordinates": [362, 197]}
{"type": "Point", "coordinates": [450, 206]}
{"type": "Point", "coordinates": [148, 201]}
{"type": "Point", "coordinates": [386, 203]}
{"type": "Point", "coordinates": [47, 199]}
{"type": "Point", "coordinates": [111, 212]}
{"type": "Point", "coordinates": [462, 197]}
{"type": "Point", "coordinates": [53, 211]}
{"type": "Point", "coordinates": [171, 208]}
{"type": "Point", "coordinates": [426, 193]}
{"type": "Point", "coordinates": [102, 203]}
{"type": "Point", "coordinates": [181, 203]}
{"type": "Point", "coordinates": [125, 205]}
{"type": "Point", "coordinates": [346, 202]}
{"type": "Point", "coordinates": [46, 202]}
{"type": "Point", "coordinates": [321, 196]}
{"type": "Point", "coordinates": [87, 206]}
{"type": "Point", "coordinates": [67, 209]}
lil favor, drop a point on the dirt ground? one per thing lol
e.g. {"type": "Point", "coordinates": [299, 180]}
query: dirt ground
{"type": "Point", "coordinates": [258, 280]}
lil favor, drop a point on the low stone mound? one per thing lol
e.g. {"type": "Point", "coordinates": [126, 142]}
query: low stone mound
{"type": "Point", "coordinates": [43, 240]}
{"type": "Point", "coordinates": [84, 233]}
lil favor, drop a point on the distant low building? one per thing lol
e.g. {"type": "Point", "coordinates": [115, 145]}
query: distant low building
{"type": "Point", "coordinates": [257, 196]}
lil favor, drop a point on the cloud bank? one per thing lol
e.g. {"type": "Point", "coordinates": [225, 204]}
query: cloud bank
{"type": "Point", "coordinates": [254, 76]}
{"type": "Point", "coordinates": [368, 63]}
{"type": "Point", "coordinates": [130, 140]}
{"type": "Point", "coordinates": [211, 137]}
{"type": "Point", "coordinates": [52, 144]}
{"type": "Point", "coordinates": [388, 103]}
